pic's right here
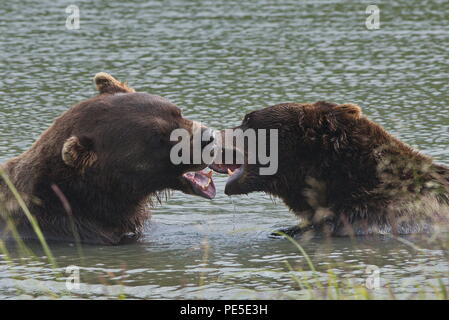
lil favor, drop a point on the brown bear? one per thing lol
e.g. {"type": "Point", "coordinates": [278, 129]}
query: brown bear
{"type": "Point", "coordinates": [343, 174]}
{"type": "Point", "coordinates": [91, 174]}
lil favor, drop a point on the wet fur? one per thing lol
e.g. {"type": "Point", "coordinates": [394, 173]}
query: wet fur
{"type": "Point", "coordinates": [104, 199]}
{"type": "Point", "coordinates": [343, 174]}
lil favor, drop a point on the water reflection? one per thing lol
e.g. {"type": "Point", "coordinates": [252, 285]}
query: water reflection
{"type": "Point", "coordinates": [218, 60]}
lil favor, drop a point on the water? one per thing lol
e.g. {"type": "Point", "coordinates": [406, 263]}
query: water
{"type": "Point", "coordinates": [218, 60]}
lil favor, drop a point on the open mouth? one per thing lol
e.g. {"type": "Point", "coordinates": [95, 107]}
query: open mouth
{"type": "Point", "coordinates": [235, 171]}
{"type": "Point", "coordinates": [201, 183]}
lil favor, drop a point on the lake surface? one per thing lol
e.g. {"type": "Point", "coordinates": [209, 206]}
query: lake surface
{"type": "Point", "coordinates": [218, 60]}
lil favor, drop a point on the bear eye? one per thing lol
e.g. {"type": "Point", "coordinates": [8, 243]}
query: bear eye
{"type": "Point", "coordinates": [247, 118]}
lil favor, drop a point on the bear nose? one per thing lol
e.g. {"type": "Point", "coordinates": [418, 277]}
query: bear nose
{"type": "Point", "coordinates": [207, 137]}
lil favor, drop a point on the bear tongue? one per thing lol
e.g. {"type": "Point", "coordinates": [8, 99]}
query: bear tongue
{"type": "Point", "coordinates": [202, 183]}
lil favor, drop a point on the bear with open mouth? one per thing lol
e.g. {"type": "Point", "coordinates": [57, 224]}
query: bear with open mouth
{"type": "Point", "coordinates": [91, 174]}
{"type": "Point", "coordinates": [342, 174]}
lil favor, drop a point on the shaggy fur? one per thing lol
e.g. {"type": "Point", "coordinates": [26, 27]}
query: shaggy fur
{"type": "Point", "coordinates": [343, 174]}
{"type": "Point", "coordinates": [95, 168]}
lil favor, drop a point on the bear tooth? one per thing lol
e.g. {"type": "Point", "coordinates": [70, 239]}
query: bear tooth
{"type": "Point", "coordinates": [205, 187]}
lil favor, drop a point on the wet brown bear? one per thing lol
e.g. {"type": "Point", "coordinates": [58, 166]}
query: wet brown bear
{"type": "Point", "coordinates": [92, 172]}
{"type": "Point", "coordinates": [343, 174]}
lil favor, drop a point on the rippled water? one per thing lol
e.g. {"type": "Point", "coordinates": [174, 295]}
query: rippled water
{"type": "Point", "coordinates": [218, 60]}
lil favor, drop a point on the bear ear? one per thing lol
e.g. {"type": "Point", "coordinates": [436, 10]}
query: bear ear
{"type": "Point", "coordinates": [78, 153]}
{"type": "Point", "coordinates": [349, 109]}
{"type": "Point", "coordinates": [105, 83]}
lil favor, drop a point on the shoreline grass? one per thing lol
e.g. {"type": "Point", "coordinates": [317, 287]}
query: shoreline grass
{"type": "Point", "coordinates": [31, 219]}
{"type": "Point", "coordinates": [312, 283]}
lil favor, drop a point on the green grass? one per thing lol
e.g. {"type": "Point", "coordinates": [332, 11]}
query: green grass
{"type": "Point", "coordinates": [31, 219]}
{"type": "Point", "coordinates": [311, 283]}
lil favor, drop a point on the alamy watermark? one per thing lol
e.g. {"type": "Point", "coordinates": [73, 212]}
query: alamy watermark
{"type": "Point", "coordinates": [73, 19]}
{"type": "Point", "coordinates": [231, 145]}
{"type": "Point", "coordinates": [73, 280]}
{"type": "Point", "coordinates": [372, 22]}
{"type": "Point", "coordinates": [373, 277]}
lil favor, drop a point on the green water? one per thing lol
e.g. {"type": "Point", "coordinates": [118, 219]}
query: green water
{"type": "Point", "coordinates": [218, 60]}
